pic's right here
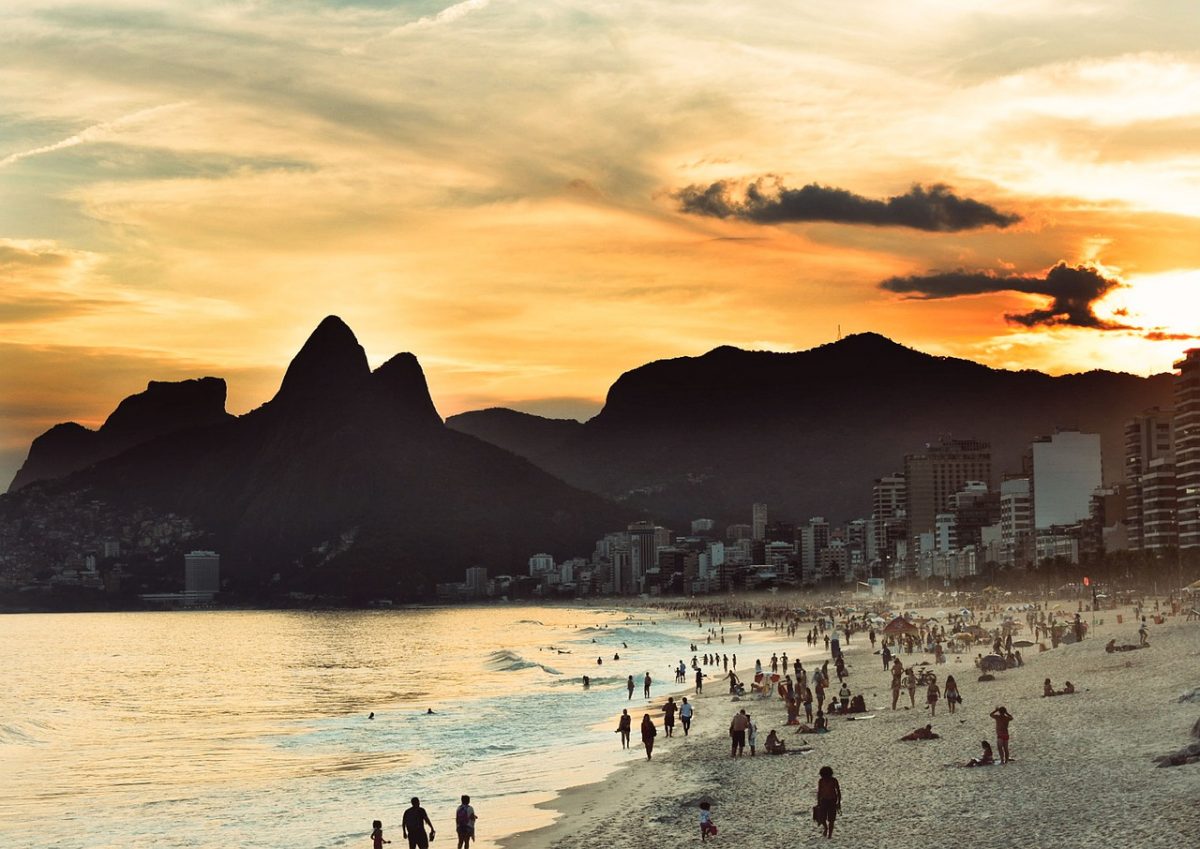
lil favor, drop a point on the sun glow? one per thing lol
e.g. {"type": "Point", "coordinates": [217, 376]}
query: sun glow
{"type": "Point", "coordinates": [1167, 303]}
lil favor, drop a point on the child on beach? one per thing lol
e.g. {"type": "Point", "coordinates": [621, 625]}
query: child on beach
{"type": "Point", "coordinates": [706, 824]}
{"type": "Point", "coordinates": [377, 840]}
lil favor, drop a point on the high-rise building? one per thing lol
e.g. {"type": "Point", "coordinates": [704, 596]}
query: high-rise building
{"type": "Point", "coordinates": [541, 564]}
{"type": "Point", "coordinates": [1016, 522]}
{"type": "Point", "coordinates": [814, 538]}
{"type": "Point", "coordinates": [887, 511]}
{"type": "Point", "coordinates": [1149, 442]}
{"type": "Point", "coordinates": [1158, 506]}
{"type": "Point", "coordinates": [1066, 473]}
{"type": "Point", "coordinates": [477, 581]}
{"type": "Point", "coordinates": [759, 521]}
{"type": "Point", "coordinates": [202, 573]}
{"type": "Point", "coordinates": [934, 474]}
{"type": "Point", "coordinates": [643, 549]}
{"type": "Point", "coordinates": [1187, 447]}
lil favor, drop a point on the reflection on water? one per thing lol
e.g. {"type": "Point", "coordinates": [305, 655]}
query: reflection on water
{"type": "Point", "coordinates": [247, 729]}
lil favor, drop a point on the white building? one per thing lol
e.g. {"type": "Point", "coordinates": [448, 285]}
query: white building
{"type": "Point", "coordinates": [202, 573]}
{"type": "Point", "coordinates": [1016, 520]}
{"type": "Point", "coordinates": [541, 564]}
{"type": "Point", "coordinates": [759, 522]}
{"type": "Point", "coordinates": [1066, 473]}
{"type": "Point", "coordinates": [703, 526]}
{"type": "Point", "coordinates": [477, 581]}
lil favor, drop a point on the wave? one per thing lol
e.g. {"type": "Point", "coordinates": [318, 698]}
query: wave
{"type": "Point", "coordinates": [509, 661]}
{"type": "Point", "coordinates": [530, 622]}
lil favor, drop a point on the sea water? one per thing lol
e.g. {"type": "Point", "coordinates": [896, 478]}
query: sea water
{"type": "Point", "coordinates": [250, 728]}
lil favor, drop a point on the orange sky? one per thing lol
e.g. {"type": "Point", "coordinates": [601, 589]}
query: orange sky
{"type": "Point", "coordinates": [187, 189]}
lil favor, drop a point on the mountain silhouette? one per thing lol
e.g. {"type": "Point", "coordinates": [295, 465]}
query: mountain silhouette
{"type": "Point", "coordinates": [806, 433]}
{"type": "Point", "coordinates": [163, 408]}
{"type": "Point", "coordinates": [348, 482]}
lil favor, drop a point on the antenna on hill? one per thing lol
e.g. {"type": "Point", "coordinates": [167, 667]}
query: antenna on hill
{"type": "Point", "coordinates": [839, 333]}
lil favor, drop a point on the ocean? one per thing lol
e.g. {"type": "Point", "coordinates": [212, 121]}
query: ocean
{"type": "Point", "coordinates": [250, 728]}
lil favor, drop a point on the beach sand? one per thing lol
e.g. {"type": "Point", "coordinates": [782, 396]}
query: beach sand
{"type": "Point", "coordinates": [1083, 773]}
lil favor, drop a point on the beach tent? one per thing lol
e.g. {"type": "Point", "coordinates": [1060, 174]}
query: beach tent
{"type": "Point", "coordinates": [993, 663]}
{"type": "Point", "coordinates": [900, 625]}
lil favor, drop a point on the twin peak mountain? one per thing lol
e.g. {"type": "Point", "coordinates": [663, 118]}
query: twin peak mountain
{"type": "Point", "coordinates": [342, 452]}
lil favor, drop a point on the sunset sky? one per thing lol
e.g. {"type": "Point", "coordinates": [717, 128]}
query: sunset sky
{"type": "Point", "coordinates": [533, 197]}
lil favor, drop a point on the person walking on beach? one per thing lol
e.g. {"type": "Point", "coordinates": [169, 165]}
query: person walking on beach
{"type": "Point", "coordinates": [806, 698]}
{"type": "Point", "coordinates": [649, 732]}
{"type": "Point", "coordinates": [951, 693]}
{"type": "Point", "coordinates": [737, 733]}
{"type": "Point", "coordinates": [377, 840]}
{"type": "Point", "coordinates": [829, 800]}
{"type": "Point", "coordinates": [751, 734]}
{"type": "Point", "coordinates": [1003, 718]}
{"type": "Point", "coordinates": [699, 681]}
{"type": "Point", "coordinates": [685, 716]}
{"type": "Point", "coordinates": [629, 685]}
{"type": "Point", "coordinates": [669, 710]}
{"type": "Point", "coordinates": [932, 695]}
{"type": "Point", "coordinates": [646, 686]}
{"type": "Point", "coordinates": [624, 727]}
{"type": "Point", "coordinates": [910, 683]}
{"type": "Point", "coordinates": [413, 826]}
{"type": "Point", "coordinates": [464, 823]}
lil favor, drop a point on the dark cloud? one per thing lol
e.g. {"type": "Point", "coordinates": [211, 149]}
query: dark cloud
{"type": "Point", "coordinates": [1164, 336]}
{"type": "Point", "coordinates": [1073, 292]}
{"type": "Point", "coordinates": [768, 201]}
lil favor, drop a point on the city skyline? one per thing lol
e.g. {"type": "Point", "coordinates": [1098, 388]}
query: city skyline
{"type": "Point", "coordinates": [535, 199]}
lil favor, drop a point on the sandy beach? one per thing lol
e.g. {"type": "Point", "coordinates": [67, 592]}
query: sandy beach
{"type": "Point", "coordinates": [1082, 773]}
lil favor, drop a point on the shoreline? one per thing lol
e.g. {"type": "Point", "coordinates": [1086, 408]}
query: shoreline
{"type": "Point", "coordinates": [1085, 760]}
{"type": "Point", "coordinates": [609, 798]}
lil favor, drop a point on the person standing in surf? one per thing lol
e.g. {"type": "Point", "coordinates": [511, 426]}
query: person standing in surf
{"type": "Point", "coordinates": [629, 685]}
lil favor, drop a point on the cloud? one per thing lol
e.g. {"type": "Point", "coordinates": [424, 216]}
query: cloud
{"type": "Point", "coordinates": [1073, 292]}
{"type": "Point", "coordinates": [768, 201]}
{"type": "Point", "coordinates": [92, 133]}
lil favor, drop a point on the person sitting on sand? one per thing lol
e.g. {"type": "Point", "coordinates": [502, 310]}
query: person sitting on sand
{"type": "Point", "coordinates": [1047, 689]}
{"type": "Point", "coordinates": [1068, 689]}
{"type": "Point", "coordinates": [925, 733]}
{"type": "Point", "coordinates": [986, 759]}
{"type": "Point", "coordinates": [773, 745]}
{"type": "Point", "coordinates": [820, 726]}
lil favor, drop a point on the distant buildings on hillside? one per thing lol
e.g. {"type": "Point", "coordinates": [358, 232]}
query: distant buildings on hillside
{"type": "Point", "coordinates": [945, 515]}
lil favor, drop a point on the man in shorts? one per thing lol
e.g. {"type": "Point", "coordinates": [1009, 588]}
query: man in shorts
{"type": "Point", "coordinates": [1003, 718]}
{"type": "Point", "coordinates": [464, 823]}
{"type": "Point", "coordinates": [413, 826]}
